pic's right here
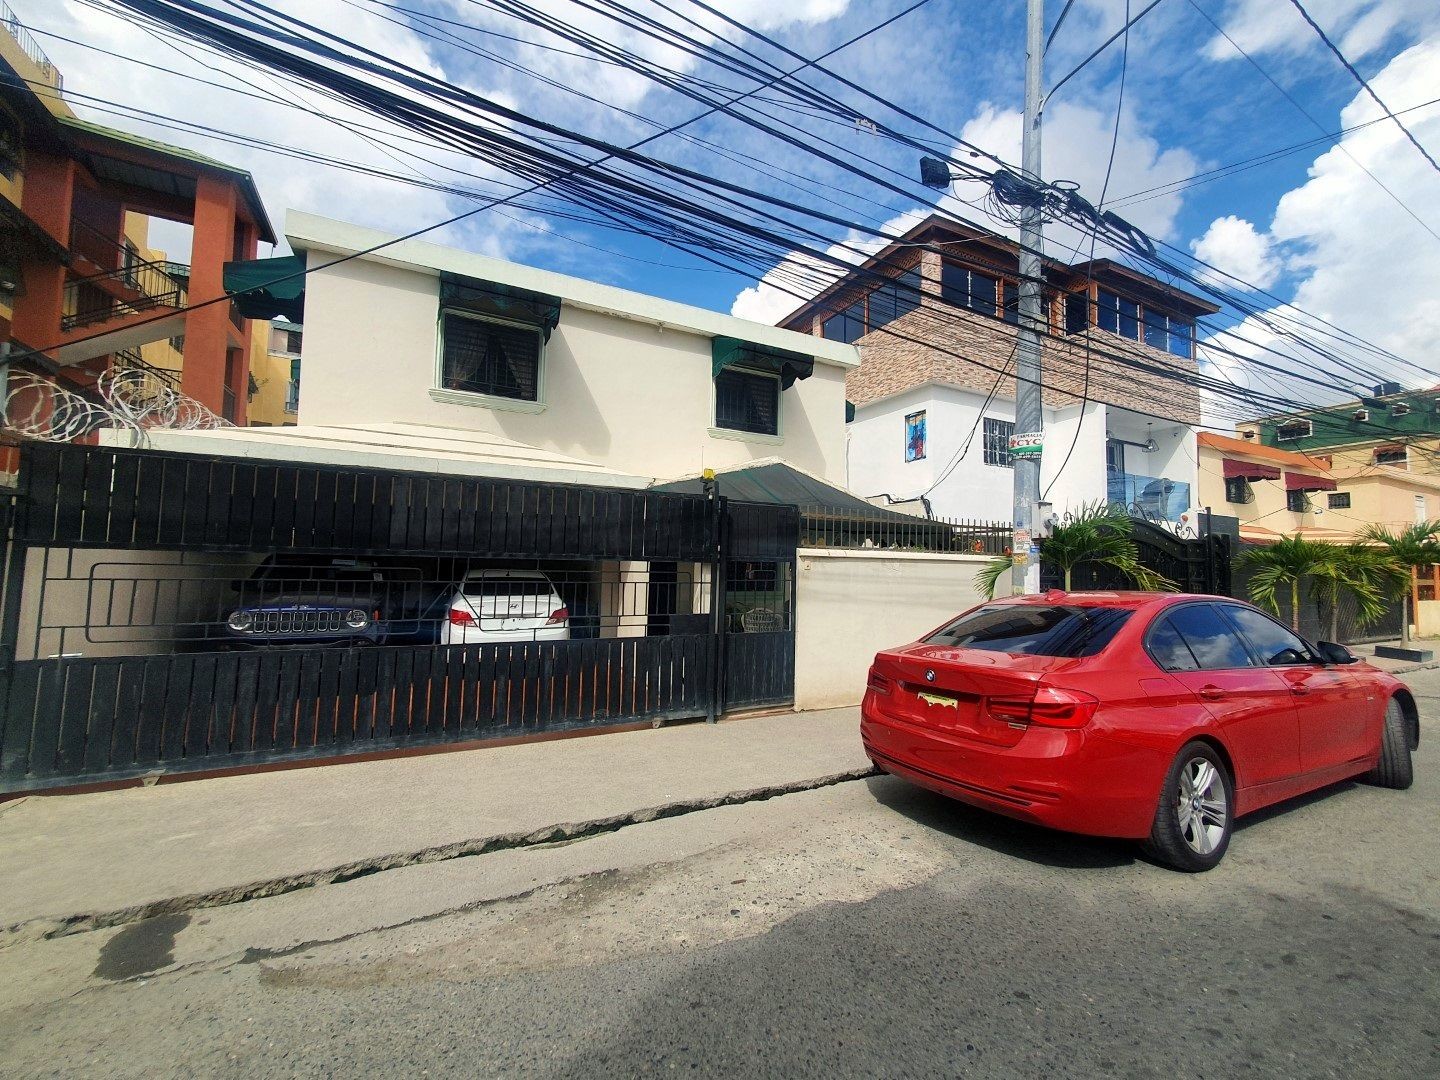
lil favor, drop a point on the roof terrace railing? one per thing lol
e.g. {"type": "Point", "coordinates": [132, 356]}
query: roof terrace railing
{"type": "Point", "coordinates": [29, 46]}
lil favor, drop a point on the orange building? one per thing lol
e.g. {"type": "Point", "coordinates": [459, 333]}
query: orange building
{"type": "Point", "coordinates": [78, 295]}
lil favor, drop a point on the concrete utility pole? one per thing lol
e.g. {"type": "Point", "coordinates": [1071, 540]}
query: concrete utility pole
{"type": "Point", "coordinates": [1029, 416]}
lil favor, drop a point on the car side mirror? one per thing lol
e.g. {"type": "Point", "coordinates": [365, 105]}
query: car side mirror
{"type": "Point", "coordinates": [1332, 653]}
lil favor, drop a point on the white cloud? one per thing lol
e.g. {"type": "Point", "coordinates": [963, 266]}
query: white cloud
{"type": "Point", "coordinates": [1234, 247]}
{"type": "Point", "coordinates": [1362, 261]}
{"type": "Point", "coordinates": [799, 276]}
{"type": "Point", "coordinates": [1358, 27]}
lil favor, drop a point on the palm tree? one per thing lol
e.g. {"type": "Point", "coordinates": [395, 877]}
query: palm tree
{"type": "Point", "coordinates": [1098, 533]}
{"type": "Point", "coordinates": [1364, 572]}
{"type": "Point", "coordinates": [1281, 566]}
{"type": "Point", "coordinates": [1412, 546]}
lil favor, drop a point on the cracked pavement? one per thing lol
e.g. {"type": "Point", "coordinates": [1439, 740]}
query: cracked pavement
{"type": "Point", "coordinates": [865, 927]}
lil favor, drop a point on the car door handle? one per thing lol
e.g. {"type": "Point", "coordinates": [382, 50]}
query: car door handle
{"type": "Point", "coordinates": [1211, 693]}
{"type": "Point", "coordinates": [1299, 689]}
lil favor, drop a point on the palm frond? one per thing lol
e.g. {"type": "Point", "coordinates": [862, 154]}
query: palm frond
{"type": "Point", "coordinates": [988, 579]}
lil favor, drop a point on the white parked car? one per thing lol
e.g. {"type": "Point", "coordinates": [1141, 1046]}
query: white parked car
{"type": "Point", "coordinates": [505, 605]}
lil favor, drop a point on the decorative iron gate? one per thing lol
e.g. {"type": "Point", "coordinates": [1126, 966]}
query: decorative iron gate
{"type": "Point", "coordinates": [1195, 565]}
{"type": "Point", "coordinates": [115, 660]}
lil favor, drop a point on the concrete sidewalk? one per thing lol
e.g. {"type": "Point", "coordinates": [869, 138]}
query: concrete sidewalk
{"type": "Point", "coordinates": [82, 861]}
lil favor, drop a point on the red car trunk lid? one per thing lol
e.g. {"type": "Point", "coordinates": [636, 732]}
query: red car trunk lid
{"type": "Point", "coordinates": [972, 693]}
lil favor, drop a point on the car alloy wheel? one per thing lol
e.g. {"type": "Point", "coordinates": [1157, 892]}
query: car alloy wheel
{"type": "Point", "coordinates": [1202, 806]}
{"type": "Point", "coordinates": [1195, 813]}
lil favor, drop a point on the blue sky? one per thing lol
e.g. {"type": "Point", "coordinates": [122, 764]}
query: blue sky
{"type": "Point", "coordinates": [1311, 225]}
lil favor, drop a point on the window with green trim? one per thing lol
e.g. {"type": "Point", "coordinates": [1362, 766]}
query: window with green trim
{"type": "Point", "coordinates": [484, 356]}
{"type": "Point", "coordinates": [747, 401]}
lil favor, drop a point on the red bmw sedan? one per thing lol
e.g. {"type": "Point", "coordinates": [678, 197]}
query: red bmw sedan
{"type": "Point", "coordinates": [1154, 716]}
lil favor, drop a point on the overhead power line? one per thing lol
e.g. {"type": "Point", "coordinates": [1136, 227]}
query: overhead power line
{"type": "Point", "coordinates": [1308, 116]}
{"type": "Point", "coordinates": [1363, 84]}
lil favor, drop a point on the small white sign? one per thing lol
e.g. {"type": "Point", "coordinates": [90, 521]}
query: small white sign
{"type": "Point", "coordinates": [1026, 444]}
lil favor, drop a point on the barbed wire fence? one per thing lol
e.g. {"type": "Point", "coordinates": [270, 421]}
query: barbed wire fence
{"type": "Point", "coordinates": [134, 401]}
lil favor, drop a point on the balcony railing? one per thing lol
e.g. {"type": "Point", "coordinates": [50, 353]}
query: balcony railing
{"type": "Point", "coordinates": [1155, 497]}
{"type": "Point", "coordinates": [29, 46]}
{"type": "Point", "coordinates": [127, 291]}
{"type": "Point", "coordinates": [131, 360]}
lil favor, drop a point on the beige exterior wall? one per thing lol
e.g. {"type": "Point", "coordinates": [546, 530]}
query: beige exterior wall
{"type": "Point", "coordinates": [623, 392]}
{"type": "Point", "coordinates": [851, 604]}
{"type": "Point", "coordinates": [270, 368]}
{"type": "Point", "coordinates": [1378, 495]}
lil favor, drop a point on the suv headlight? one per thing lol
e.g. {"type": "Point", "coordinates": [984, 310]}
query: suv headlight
{"type": "Point", "coordinates": [356, 619]}
{"type": "Point", "coordinates": [240, 621]}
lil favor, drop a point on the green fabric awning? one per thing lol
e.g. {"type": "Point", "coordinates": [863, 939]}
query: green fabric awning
{"type": "Point", "coordinates": [506, 301]}
{"type": "Point", "coordinates": [732, 352]}
{"type": "Point", "coordinates": [268, 288]}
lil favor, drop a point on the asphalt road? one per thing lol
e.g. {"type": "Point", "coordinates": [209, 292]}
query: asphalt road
{"type": "Point", "coordinates": [866, 928]}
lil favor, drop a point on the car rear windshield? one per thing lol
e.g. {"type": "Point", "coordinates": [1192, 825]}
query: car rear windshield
{"type": "Point", "coordinates": [508, 587]}
{"type": "Point", "coordinates": [1034, 629]}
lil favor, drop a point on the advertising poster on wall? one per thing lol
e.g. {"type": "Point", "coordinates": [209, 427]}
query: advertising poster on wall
{"type": "Point", "coordinates": [915, 436]}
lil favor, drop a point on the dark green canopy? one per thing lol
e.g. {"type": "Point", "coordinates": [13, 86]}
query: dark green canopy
{"type": "Point", "coordinates": [494, 298]}
{"type": "Point", "coordinates": [732, 352]}
{"type": "Point", "coordinates": [268, 288]}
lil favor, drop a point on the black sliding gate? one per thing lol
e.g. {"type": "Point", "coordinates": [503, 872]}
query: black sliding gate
{"type": "Point", "coordinates": [126, 568]}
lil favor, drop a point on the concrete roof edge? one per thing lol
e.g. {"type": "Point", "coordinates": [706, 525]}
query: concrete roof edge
{"type": "Point", "coordinates": [312, 232]}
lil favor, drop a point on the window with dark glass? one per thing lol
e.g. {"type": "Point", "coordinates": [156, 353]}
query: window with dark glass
{"type": "Point", "coordinates": [1169, 333]}
{"type": "Point", "coordinates": [1212, 641]}
{"type": "Point", "coordinates": [1275, 645]}
{"type": "Point", "coordinates": [1116, 314]}
{"type": "Point", "coordinates": [889, 302]}
{"type": "Point", "coordinates": [1077, 313]}
{"type": "Point", "coordinates": [847, 325]}
{"type": "Point", "coordinates": [1391, 455]}
{"type": "Point", "coordinates": [1297, 501]}
{"type": "Point", "coordinates": [997, 441]}
{"type": "Point", "coordinates": [1034, 630]}
{"type": "Point", "coordinates": [481, 356]}
{"type": "Point", "coordinates": [747, 401]}
{"type": "Point", "coordinates": [1339, 500]}
{"type": "Point", "coordinates": [968, 288]}
{"type": "Point", "coordinates": [1237, 489]}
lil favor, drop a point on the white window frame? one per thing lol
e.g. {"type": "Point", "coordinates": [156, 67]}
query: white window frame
{"type": "Point", "coordinates": [440, 392]}
{"type": "Point", "coordinates": [718, 432]}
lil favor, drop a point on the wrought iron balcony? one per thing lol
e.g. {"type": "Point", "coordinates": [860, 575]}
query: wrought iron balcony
{"type": "Point", "coordinates": [131, 360]}
{"type": "Point", "coordinates": [1155, 497]}
{"type": "Point", "coordinates": [128, 290]}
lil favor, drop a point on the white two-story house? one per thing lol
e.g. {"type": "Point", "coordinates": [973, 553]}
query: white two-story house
{"type": "Point", "coordinates": [494, 367]}
{"type": "Point", "coordinates": [933, 399]}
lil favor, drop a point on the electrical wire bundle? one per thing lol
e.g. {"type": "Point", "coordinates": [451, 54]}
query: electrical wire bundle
{"type": "Point", "coordinates": [725, 225]}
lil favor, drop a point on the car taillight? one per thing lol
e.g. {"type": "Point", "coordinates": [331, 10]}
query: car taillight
{"type": "Point", "coordinates": [559, 615]}
{"type": "Point", "coordinates": [1050, 707]}
{"type": "Point", "coordinates": [877, 682]}
{"type": "Point", "coordinates": [461, 617]}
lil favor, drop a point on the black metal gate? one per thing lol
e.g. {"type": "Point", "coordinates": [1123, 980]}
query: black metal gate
{"type": "Point", "coordinates": [1194, 564]}
{"type": "Point", "coordinates": [759, 605]}
{"type": "Point", "coordinates": [94, 691]}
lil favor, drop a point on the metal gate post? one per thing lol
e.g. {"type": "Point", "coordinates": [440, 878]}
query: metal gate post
{"type": "Point", "coordinates": [717, 610]}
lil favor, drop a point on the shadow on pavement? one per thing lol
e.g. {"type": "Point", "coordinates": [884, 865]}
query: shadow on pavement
{"type": "Point", "coordinates": [999, 834]}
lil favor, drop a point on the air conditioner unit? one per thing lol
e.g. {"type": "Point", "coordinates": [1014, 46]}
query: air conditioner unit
{"type": "Point", "coordinates": [1290, 430]}
{"type": "Point", "coordinates": [1360, 416]}
{"type": "Point", "coordinates": [1399, 408]}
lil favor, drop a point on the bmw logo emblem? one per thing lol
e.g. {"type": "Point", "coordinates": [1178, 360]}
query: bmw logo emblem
{"type": "Point", "coordinates": [930, 675]}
